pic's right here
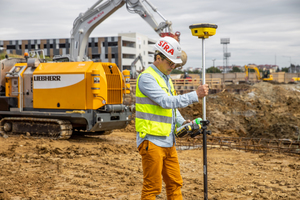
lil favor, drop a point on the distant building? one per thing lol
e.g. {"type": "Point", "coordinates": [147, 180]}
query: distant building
{"type": "Point", "coordinates": [190, 69]}
{"type": "Point", "coordinates": [222, 68]}
{"type": "Point", "coordinates": [121, 49]}
{"type": "Point", "coordinates": [199, 69]}
{"type": "Point", "coordinates": [239, 67]}
{"type": "Point", "coordinates": [1, 49]}
{"type": "Point", "coordinates": [272, 68]}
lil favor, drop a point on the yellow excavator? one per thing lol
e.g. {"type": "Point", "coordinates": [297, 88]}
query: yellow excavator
{"type": "Point", "coordinates": [266, 76]}
{"type": "Point", "coordinates": [296, 79]}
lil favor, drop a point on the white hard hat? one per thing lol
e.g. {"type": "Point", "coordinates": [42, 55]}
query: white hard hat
{"type": "Point", "coordinates": [170, 48]}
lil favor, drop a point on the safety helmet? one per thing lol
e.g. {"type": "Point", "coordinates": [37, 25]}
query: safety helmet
{"type": "Point", "coordinates": [169, 47]}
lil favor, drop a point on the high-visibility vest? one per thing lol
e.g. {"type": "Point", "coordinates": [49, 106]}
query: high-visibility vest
{"type": "Point", "coordinates": [150, 117]}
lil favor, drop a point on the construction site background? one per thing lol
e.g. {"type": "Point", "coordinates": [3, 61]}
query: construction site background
{"type": "Point", "coordinates": [218, 81]}
{"type": "Point", "coordinates": [253, 153]}
{"type": "Point", "coordinates": [280, 77]}
{"type": "Point", "coordinates": [262, 110]}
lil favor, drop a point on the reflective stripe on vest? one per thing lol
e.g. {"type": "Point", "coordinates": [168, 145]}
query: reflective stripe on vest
{"type": "Point", "coordinates": [151, 118]}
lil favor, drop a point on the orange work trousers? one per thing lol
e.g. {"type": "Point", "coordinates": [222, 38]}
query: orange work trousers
{"type": "Point", "coordinates": [160, 162]}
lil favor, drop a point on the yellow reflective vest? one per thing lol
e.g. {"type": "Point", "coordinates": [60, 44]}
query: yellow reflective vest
{"type": "Point", "coordinates": [151, 118]}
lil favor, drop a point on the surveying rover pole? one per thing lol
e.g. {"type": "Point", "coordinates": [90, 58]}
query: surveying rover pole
{"type": "Point", "coordinates": [203, 31]}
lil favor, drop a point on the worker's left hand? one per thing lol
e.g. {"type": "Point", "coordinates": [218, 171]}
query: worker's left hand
{"type": "Point", "coordinates": [202, 90]}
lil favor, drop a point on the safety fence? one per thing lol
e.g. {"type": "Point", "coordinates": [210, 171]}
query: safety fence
{"type": "Point", "coordinates": [261, 145]}
{"type": "Point", "coordinates": [187, 85]}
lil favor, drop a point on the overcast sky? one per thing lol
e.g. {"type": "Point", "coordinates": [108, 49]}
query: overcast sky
{"type": "Point", "coordinates": [260, 31]}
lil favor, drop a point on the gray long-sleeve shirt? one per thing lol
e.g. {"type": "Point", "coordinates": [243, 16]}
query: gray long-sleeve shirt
{"type": "Point", "coordinates": [150, 88]}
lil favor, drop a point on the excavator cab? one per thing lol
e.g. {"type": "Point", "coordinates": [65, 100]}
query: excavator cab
{"type": "Point", "coordinates": [267, 76]}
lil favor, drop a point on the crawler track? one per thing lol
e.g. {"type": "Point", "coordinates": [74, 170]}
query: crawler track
{"type": "Point", "coordinates": [40, 127]}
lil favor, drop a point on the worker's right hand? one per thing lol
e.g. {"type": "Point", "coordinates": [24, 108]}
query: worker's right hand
{"type": "Point", "coordinates": [185, 122]}
{"type": "Point", "coordinates": [202, 90]}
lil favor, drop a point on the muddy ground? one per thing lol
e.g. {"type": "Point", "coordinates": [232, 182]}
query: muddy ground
{"type": "Point", "coordinates": [109, 167]}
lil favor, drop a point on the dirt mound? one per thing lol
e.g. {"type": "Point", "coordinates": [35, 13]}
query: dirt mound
{"type": "Point", "coordinates": [262, 110]}
{"type": "Point", "coordinates": [259, 110]}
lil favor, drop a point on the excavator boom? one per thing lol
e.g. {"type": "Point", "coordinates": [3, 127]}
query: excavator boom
{"type": "Point", "coordinates": [86, 22]}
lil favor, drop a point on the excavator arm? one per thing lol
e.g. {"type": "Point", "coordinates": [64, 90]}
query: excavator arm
{"type": "Point", "coordinates": [133, 69]}
{"type": "Point", "coordinates": [256, 71]}
{"type": "Point", "coordinates": [86, 22]}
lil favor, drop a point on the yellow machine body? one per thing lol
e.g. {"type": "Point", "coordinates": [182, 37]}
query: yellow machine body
{"type": "Point", "coordinates": [76, 85]}
{"type": "Point", "coordinates": [270, 78]}
{"type": "Point", "coordinates": [203, 30]}
{"type": "Point", "coordinates": [126, 74]}
{"type": "Point", "coordinates": [54, 99]}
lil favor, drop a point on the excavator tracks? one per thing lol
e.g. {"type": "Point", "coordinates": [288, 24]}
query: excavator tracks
{"type": "Point", "coordinates": [39, 127]}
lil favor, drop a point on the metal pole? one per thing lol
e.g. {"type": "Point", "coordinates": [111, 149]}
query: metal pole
{"type": "Point", "coordinates": [203, 78]}
{"type": "Point", "coordinates": [204, 132]}
{"type": "Point", "coordinates": [205, 166]}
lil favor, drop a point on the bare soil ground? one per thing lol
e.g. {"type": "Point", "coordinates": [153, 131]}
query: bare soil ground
{"type": "Point", "coordinates": [109, 167]}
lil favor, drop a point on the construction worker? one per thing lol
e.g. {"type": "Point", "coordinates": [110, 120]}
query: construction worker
{"type": "Point", "coordinates": [156, 116]}
{"type": "Point", "coordinates": [26, 56]}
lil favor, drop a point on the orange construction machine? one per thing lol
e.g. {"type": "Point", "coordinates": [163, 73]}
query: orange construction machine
{"type": "Point", "coordinates": [53, 99]}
